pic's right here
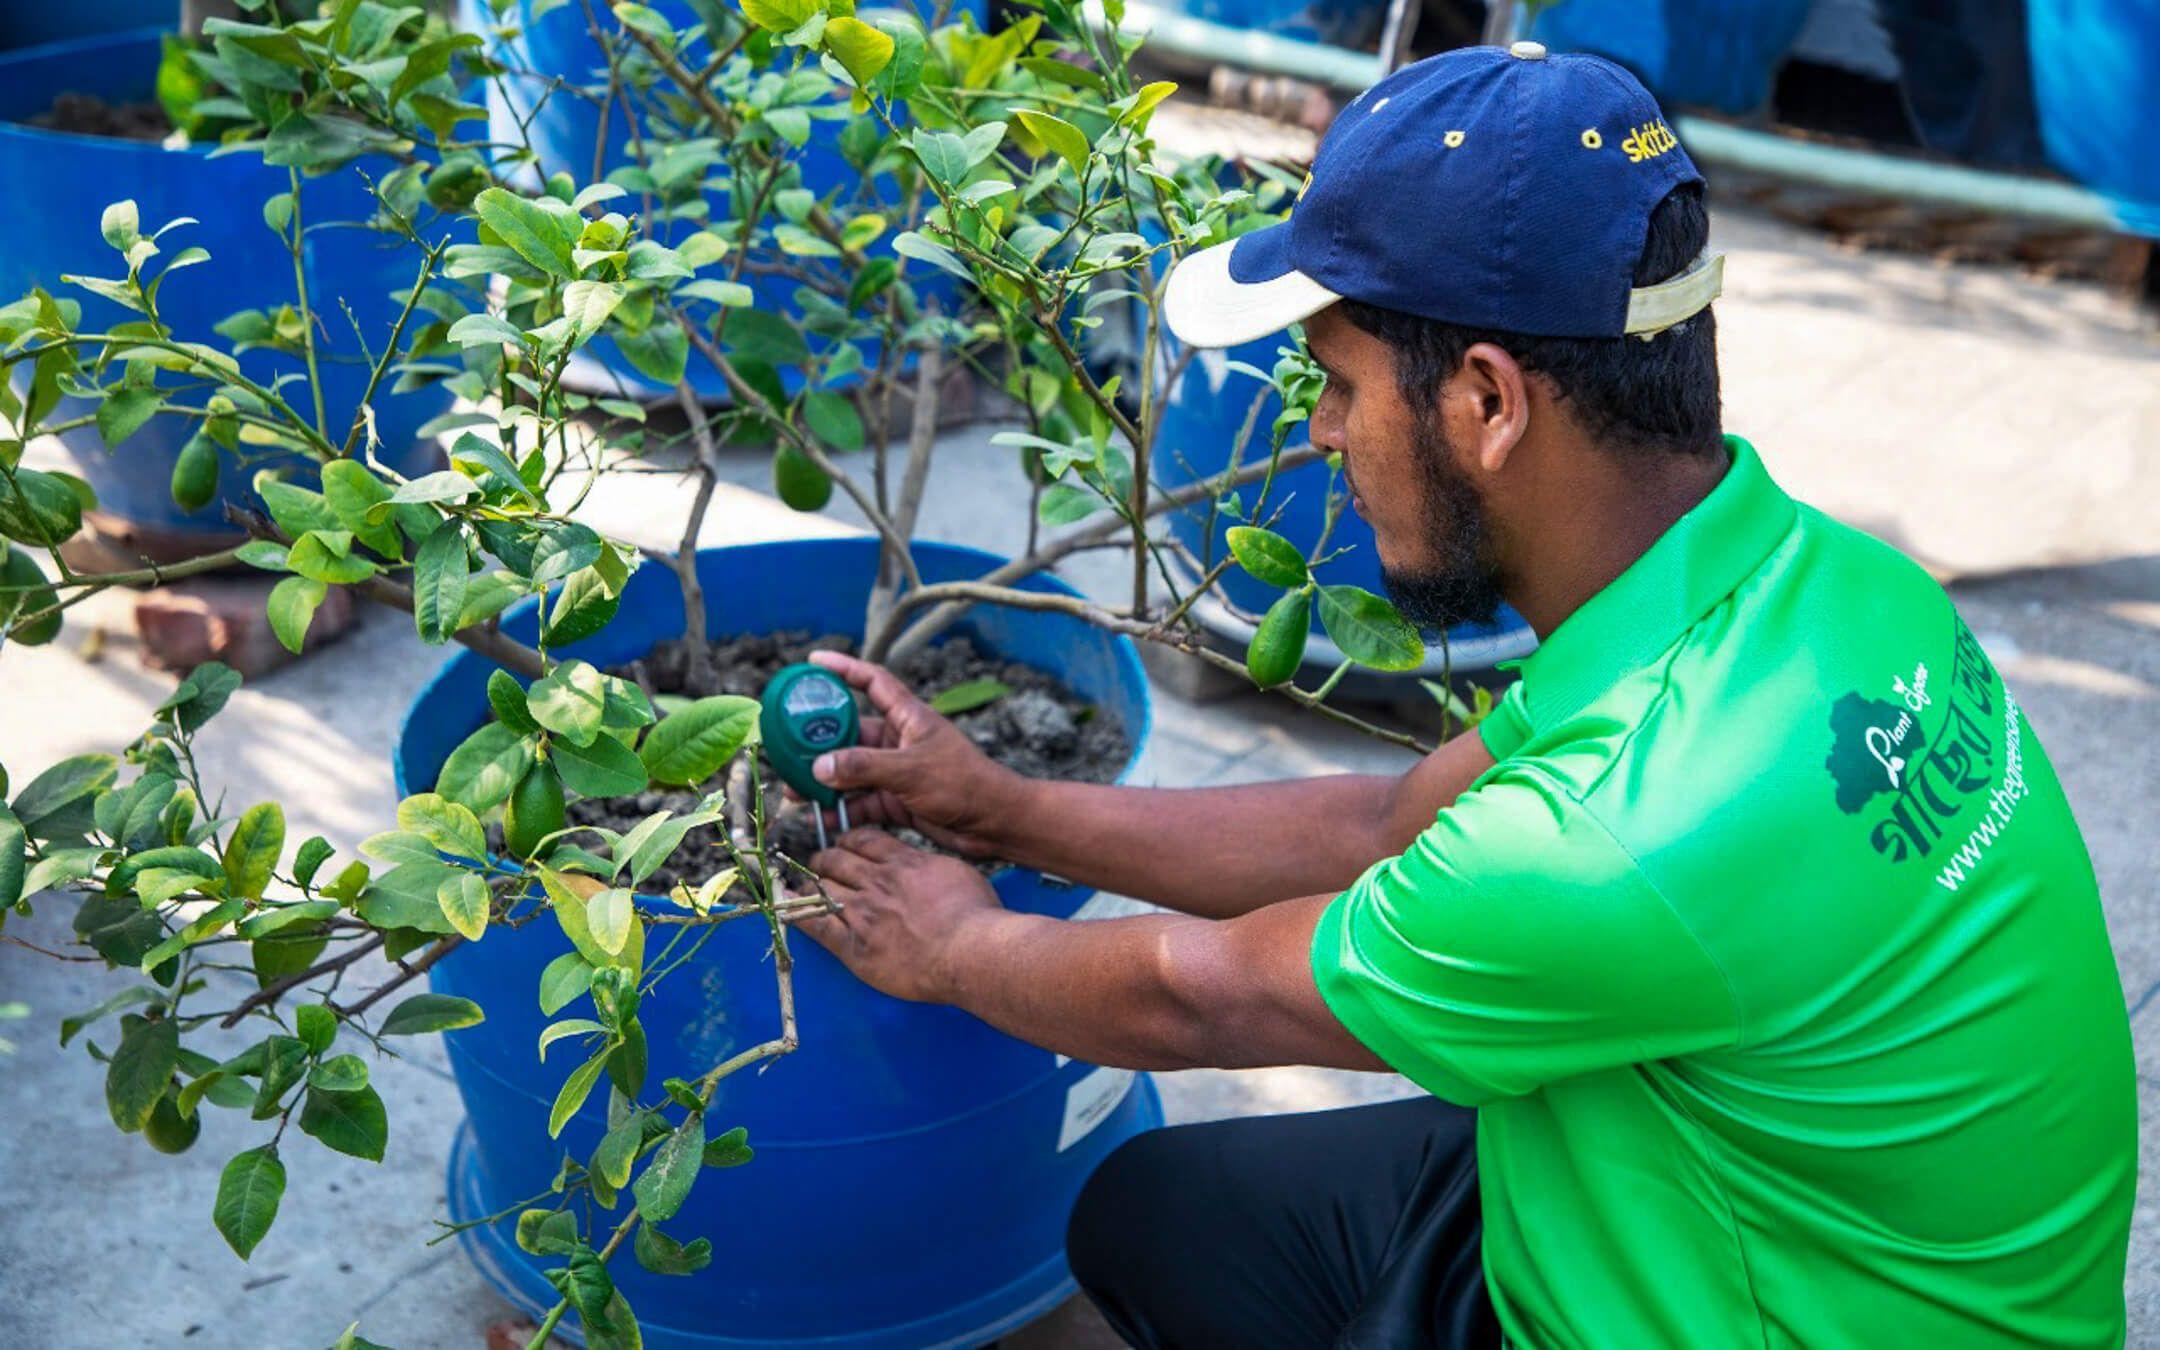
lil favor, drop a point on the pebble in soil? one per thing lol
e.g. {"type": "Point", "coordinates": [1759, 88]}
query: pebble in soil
{"type": "Point", "coordinates": [1040, 729]}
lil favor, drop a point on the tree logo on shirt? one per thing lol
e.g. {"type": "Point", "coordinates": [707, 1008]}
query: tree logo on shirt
{"type": "Point", "coordinates": [1868, 739]}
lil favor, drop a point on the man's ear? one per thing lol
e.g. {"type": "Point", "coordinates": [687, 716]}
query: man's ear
{"type": "Point", "coordinates": [1488, 405]}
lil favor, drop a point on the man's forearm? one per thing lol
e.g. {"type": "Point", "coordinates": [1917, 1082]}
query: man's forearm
{"type": "Point", "coordinates": [1214, 852]}
{"type": "Point", "coordinates": [1221, 852]}
{"type": "Point", "coordinates": [1157, 991]}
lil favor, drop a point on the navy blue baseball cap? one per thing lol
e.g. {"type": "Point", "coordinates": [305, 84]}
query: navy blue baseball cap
{"type": "Point", "coordinates": [1491, 187]}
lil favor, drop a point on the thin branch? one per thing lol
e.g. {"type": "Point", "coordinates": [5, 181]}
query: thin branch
{"type": "Point", "coordinates": [1090, 536]}
{"type": "Point", "coordinates": [284, 984]}
{"type": "Point", "coordinates": [922, 439]}
{"type": "Point", "coordinates": [406, 975]}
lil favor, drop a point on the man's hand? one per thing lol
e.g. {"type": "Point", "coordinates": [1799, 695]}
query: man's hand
{"type": "Point", "coordinates": [902, 912]}
{"type": "Point", "coordinates": [914, 767]}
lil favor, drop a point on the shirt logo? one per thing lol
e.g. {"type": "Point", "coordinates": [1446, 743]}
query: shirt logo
{"type": "Point", "coordinates": [1648, 141]}
{"type": "Point", "coordinates": [1933, 753]}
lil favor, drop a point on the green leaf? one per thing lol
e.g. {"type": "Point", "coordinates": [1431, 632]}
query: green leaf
{"type": "Point", "coordinates": [1066, 504]}
{"type": "Point", "coordinates": [1369, 630]}
{"type": "Point", "coordinates": [667, 1179]}
{"type": "Point", "coordinates": [587, 304]}
{"type": "Point", "coordinates": [692, 744]}
{"type": "Point", "coordinates": [464, 901]}
{"type": "Point", "coordinates": [478, 450]}
{"type": "Point", "coordinates": [575, 1089]}
{"type": "Point", "coordinates": [284, 1063]}
{"type": "Point", "coordinates": [247, 1197]}
{"type": "Point", "coordinates": [140, 1068]}
{"type": "Point", "coordinates": [547, 1232]}
{"type": "Point", "coordinates": [832, 418]}
{"type": "Point", "coordinates": [316, 1026]}
{"type": "Point", "coordinates": [606, 768]}
{"type": "Point", "coordinates": [730, 1150]}
{"type": "Point", "coordinates": [565, 977]}
{"type": "Point", "coordinates": [448, 825]}
{"type": "Point", "coordinates": [423, 1013]}
{"type": "Point", "coordinates": [645, 21]}
{"type": "Point", "coordinates": [608, 917]}
{"type": "Point", "coordinates": [63, 785]}
{"type": "Point", "coordinates": [133, 994]}
{"type": "Point", "coordinates": [352, 491]}
{"type": "Point", "coordinates": [485, 330]}
{"type": "Point", "coordinates": [340, 1073]}
{"type": "Point", "coordinates": [327, 556]}
{"type": "Point", "coordinates": [291, 608]}
{"type": "Point", "coordinates": [38, 508]}
{"type": "Point", "coordinates": [483, 769]}
{"type": "Point", "coordinates": [543, 233]}
{"type": "Point", "coordinates": [779, 16]}
{"type": "Point", "coordinates": [663, 1255]}
{"type": "Point", "coordinates": [569, 1026]}
{"type": "Point", "coordinates": [295, 509]}
{"type": "Point", "coordinates": [444, 485]}
{"type": "Point", "coordinates": [14, 858]}
{"type": "Point", "coordinates": [439, 574]}
{"type": "Point", "coordinates": [121, 225]}
{"type": "Point", "coordinates": [909, 244]}
{"type": "Point", "coordinates": [351, 1122]}
{"type": "Point", "coordinates": [1268, 556]}
{"type": "Point", "coordinates": [661, 353]}
{"type": "Point", "coordinates": [860, 49]}
{"type": "Point", "coordinates": [251, 854]}
{"type": "Point", "coordinates": [268, 921]}
{"type": "Point", "coordinates": [507, 697]}
{"type": "Point", "coordinates": [124, 411]}
{"type": "Point", "coordinates": [619, 1149]}
{"type": "Point", "coordinates": [569, 701]}
{"type": "Point", "coordinates": [198, 698]}
{"type": "Point", "coordinates": [1065, 140]}
{"type": "Point", "coordinates": [583, 608]}
{"type": "Point", "coordinates": [969, 695]}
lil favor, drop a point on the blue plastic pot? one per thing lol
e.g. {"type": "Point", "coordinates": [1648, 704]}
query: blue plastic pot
{"type": "Point", "coordinates": [30, 23]}
{"type": "Point", "coordinates": [2096, 78]}
{"type": "Point", "coordinates": [1708, 53]}
{"type": "Point", "coordinates": [72, 179]}
{"type": "Point", "coordinates": [1201, 420]}
{"type": "Point", "coordinates": [914, 1167]}
{"type": "Point", "coordinates": [566, 131]}
{"type": "Point", "coordinates": [1340, 23]}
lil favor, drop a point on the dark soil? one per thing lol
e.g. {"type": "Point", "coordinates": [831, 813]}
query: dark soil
{"type": "Point", "coordinates": [1040, 729]}
{"type": "Point", "coordinates": [88, 115]}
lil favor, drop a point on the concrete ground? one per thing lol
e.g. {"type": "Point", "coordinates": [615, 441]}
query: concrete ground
{"type": "Point", "coordinates": [2006, 431]}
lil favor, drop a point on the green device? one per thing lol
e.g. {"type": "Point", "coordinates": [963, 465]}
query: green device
{"type": "Point", "coordinates": [805, 711]}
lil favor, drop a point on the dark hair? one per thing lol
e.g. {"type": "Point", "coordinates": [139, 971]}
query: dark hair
{"type": "Point", "coordinates": [1660, 395]}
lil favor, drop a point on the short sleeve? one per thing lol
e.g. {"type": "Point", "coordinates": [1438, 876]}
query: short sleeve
{"type": "Point", "coordinates": [1515, 944]}
{"type": "Point", "coordinates": [1507, 726]}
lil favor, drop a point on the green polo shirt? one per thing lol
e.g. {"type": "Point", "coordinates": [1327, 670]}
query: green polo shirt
{"type": "Point", "coordinates": [1772, 958]}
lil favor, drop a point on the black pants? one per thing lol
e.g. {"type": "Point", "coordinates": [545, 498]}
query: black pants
{"type": "Point", "coordinates": [1356, 1228]}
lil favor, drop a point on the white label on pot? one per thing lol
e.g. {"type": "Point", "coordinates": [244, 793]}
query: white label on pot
{"type": "Point", "coordinates": [1091, 1099]}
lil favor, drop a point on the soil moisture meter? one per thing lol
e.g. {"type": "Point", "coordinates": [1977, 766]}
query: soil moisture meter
{"type": "Point", "coordinates": [807, 710]}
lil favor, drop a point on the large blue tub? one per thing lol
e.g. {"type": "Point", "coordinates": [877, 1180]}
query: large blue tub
{"type": "Point", "coordinates": [29, 23]}
{"type": "Point", "coordinates": [1720, 54]}
{"type": "Point", "coordinates": [2096, 77]}
{"type": "Point", "coordinates": [1201, 419]}
{"type": "Point", "coordinates": [914, 1167]}
{"type": "Point", "coordinates": [71, 179]}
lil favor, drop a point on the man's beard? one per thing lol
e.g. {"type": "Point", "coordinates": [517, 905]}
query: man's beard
{"type": "Point", "coordinates": [1460, 585]}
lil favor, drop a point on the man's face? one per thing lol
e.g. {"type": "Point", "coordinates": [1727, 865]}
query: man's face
{"type": "Point", "coordinates": [1426, 515]}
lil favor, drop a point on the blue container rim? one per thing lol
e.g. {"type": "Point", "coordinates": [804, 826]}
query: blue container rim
{"type": "Point", "coordinates": [1126, 651]}
{"type": "Point", "coordinates": [83, 48]}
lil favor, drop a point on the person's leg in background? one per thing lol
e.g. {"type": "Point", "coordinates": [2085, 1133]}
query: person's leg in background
{"type": "Point", "coordinates": [1354, 1228]}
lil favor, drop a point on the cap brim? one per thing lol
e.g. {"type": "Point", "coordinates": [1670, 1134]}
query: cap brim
{"type": "Point", "coordinates": [1206, 306]}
